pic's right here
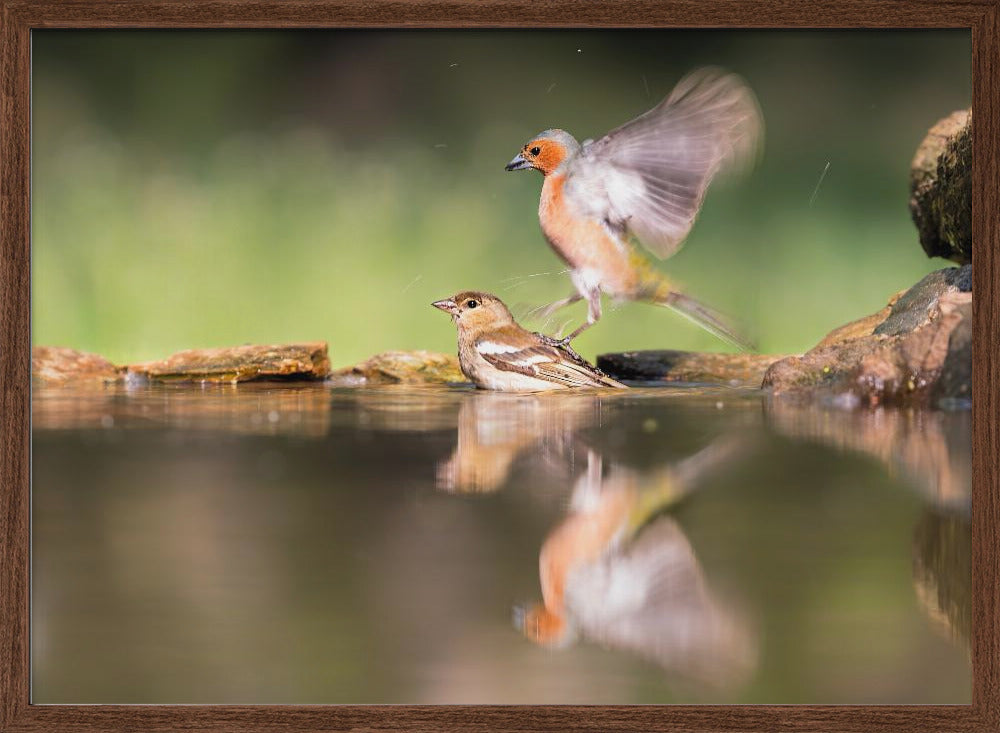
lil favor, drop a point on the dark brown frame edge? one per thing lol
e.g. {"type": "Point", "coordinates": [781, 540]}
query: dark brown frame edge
{"type": "Point", "coordinates": [20, 17]}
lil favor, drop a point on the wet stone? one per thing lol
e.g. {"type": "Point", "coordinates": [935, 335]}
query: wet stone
{"type": "Point", "coordinates": [401, 367]}
{"type": "Point", "coordinates": [53, 364]}
{"type": "Point", "coordinates": [918, 355]}
{"type": "Point", "coordinates": [239, 364]}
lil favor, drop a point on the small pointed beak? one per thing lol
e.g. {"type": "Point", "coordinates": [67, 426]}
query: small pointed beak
{"type": "Point", "coordinates": [448, 306]}
{"type": "Point", "coordinates": [517, 164]}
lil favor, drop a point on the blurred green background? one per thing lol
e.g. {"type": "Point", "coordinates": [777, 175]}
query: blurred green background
{"type": "Point", "coordinates": [196, 189]}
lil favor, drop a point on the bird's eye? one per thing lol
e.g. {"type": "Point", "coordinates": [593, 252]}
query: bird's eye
{"type": "Point", "coordinates": [471, 303]}
{"type": "Point", "coordinates": [536, 150]}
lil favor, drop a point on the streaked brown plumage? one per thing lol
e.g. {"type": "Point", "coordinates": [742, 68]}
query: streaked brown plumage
{"type": "Point", "coordinates": [496, 353]}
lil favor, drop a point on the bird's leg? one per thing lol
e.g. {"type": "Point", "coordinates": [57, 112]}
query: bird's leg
{"type": "Point", "coordinates": [593, 314]}
{"type": "Point", "coordinates": [587, 489]}
{"type": "Point", "coordinates": [547, 310]}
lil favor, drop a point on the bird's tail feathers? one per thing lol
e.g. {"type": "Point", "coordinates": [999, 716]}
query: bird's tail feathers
{"type": "Point", "coordinates": [663, 488]}
{"type": "Point", "coordinates": [706, 317]}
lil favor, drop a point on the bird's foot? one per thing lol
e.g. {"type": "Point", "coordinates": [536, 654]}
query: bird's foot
{"type": "Point", "coordinates": [562, 344]}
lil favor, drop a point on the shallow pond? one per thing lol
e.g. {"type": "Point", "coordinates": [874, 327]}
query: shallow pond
{"type": "Point", "coordinates": [288, 543]}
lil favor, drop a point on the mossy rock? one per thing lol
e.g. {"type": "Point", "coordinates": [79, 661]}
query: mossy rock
{"type": "Point", "coordinates": [941, 189]}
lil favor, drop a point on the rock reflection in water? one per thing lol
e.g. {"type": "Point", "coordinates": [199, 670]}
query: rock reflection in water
{"type": "Point", "coordinates": [942, 573]}
{"type": "Point", "coordinates": [618, 572]}
{"type": "Point", "coordinates": [932, 451]}
{"type": "Point", "coordinates": [263, 408]}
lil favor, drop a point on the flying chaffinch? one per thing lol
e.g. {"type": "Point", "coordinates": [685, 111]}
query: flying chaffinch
{"type": "Point", "coordinates": [496, 353]}
{"type": "Point", "coordinates": [645, 179]}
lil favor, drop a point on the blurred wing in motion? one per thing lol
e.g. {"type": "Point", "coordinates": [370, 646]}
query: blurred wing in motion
{"type": "Point", "coordinates": [650, 599]}
{"type": "Point", "coordinates": [648, 177]}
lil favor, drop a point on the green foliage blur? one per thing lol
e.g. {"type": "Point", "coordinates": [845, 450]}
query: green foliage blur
{"type": "Point", "coordinates": [197, 189]}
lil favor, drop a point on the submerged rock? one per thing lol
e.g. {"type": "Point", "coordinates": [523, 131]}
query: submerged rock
{"type": "Point", "coordinates": [941, 189]}
{"type": "Point", "coordinates": [239, 364]}
{"type": "Point", "coordinates": [687, 366]}
{"type": "Point", "coordinates": [401, 367]}
{"type": "Point", "coordinates": [59, 364]}
{"type": "Point", "coordinates": [911, 352]}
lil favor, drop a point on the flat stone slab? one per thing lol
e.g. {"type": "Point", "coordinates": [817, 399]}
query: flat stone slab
{"type": "Point", "coordinates": [687, 366]}
{"type": "Point", "coordinates": [401, 367]}
{"type": "Point", "coordinates": [239, 364]}
{"type": "Point", "coordinates": [60, 364]}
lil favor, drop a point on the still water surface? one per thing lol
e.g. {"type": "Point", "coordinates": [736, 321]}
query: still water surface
{"type": "Point", "coordinates": [283, 543]}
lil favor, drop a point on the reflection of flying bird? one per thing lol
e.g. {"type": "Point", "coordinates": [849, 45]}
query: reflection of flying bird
{"type": "Point", "coordinates": [496, 353]}
{"type": "Point", "coordinates": [645, 179]}
{"type": "Point", "coordinates": [619, 573]}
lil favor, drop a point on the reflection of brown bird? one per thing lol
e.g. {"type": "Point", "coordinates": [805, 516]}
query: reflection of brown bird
{"type": "Point", "coordinates": [645, 179]}
{"type": "Point", "coordinates": [617, 573]}
{"type": "Point", "coordinates": [495, 429]}
{"type": "Point", "coordinates": [496, 353]}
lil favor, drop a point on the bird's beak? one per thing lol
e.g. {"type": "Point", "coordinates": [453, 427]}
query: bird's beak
{"type": "Point", "coordinates": [448, 306]}
{"type": "Point", "coordinates": [518, 164]}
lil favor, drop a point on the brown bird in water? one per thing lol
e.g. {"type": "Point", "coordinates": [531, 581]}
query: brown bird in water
{"type": "Point", "coordinates": [644, 180]}
{"type": "Point", "coordinates": [496, 353]}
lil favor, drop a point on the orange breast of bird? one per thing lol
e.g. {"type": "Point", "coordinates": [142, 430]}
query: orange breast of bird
{"type": "Point", "coordinates": [584, 243]}
{"type": "Point", "coordinates": [579, 540]}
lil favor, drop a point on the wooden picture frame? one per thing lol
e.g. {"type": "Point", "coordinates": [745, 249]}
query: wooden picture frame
{"type": "Point", "coordinates": [20, 17]}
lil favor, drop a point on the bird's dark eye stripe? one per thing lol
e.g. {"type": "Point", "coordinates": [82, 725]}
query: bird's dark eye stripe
{"type": "Point", "coordinates": [471, 304]}
{"type": "Point", "coordinates": [536, 150]}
